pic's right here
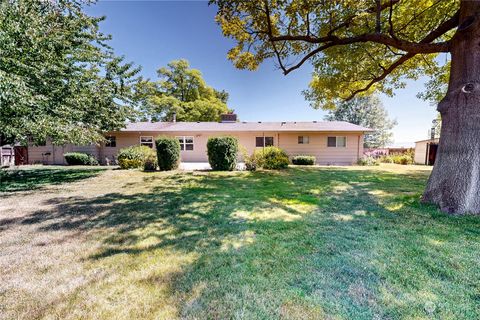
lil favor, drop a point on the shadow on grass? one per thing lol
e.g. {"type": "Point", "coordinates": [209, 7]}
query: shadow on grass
{"type": "Point", "coordinates": [35, 178]}
{"type": "Point", "coordinates": [329, 241]}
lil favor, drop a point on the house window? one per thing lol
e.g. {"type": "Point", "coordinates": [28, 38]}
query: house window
{"type": "Point", "coordinates": [337, 142]}
{"type": "Point", "coordinates": [111, 141]}
{"type": "Point", "coordinates": [263, 141]}
{"type": "Point", "coordinates": [146, 141]}
{"type": "Point", "coordinates": [303, 140]}
{"type": "Point", "coordinates": [186, 143]}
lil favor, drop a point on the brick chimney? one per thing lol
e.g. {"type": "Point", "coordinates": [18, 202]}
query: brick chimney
{"type": "Point", "coordinates": [228, 117]}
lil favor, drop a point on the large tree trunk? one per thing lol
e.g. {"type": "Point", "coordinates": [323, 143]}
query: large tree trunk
{"type": "Point", "coordinates": [454, 184]}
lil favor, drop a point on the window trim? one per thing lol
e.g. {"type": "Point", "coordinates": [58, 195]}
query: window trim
{"type": "Point", "coordinates": [183, 145]}
{"type": "Point", "coordinates": [336, 142]}
{"type": "Point", "coordinates": [303, 140]}
{"type": "Point", "coordinates": [108, 143]}
{"type": "Point", "coordinates": [147, 144]}
{"type": "Point", "coordinates": [263, 139]}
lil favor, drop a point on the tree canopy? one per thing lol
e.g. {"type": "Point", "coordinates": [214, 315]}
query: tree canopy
{"type": "Point", "coordinates": [355, 46]}
{"type": "Point", "coordinates": [181, 90]}
{"type": "Point", "coordinates": [367, 112]}
{"type": "Point", "coordinates": [58, 76]}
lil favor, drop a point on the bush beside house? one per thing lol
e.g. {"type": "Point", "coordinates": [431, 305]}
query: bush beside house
{"type": "Point", "coordinates": [134, 157]}
{"type": "Point", "coordinates": [303, 160]}
{"type": "Point", "coordinates": [270, 158]}
{"type": "Point", "coordinates": [168, 153]}
{"type": "Point", "coordinates": [80, 159]}
{"type": "Point", "coordinates": [222, 153]}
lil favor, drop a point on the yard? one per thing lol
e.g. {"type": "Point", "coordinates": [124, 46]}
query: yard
{"type": "Point", "coordinates": [305, 243]}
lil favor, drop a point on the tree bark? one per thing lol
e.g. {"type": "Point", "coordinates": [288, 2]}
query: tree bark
{"type": "Point", "coordinates": [454, 184]}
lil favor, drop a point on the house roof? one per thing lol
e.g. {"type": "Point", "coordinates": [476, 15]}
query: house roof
{"type": "Point", "coordinates": [436, 140]}
{"type": "Point", "coordinates": [326, 126]}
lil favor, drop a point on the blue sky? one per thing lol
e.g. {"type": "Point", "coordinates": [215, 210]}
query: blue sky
{"type": "Point", "coordinates": [152, 33]}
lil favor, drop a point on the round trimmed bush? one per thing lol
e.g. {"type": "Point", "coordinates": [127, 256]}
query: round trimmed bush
{"type": "Point", "coordinates": [304, 160]}
{"type": "Point", "coordinates": [222, 153]}
{"type": "Point", "coordinates": [133, 157]}
{"type": "Point", "coordinates": [80, 159]}
{"type": "Point", "coordinates": [271, 158]}
{"type": "Point", "coordinates": [168, 153]}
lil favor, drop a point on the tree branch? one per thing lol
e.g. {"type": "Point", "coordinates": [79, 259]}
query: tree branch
{"type": "Point", "coordinates": [444, 27]}
{"type": "Point", "coordinates": [424, 46]}
{"type": "Point", "coordinates": [378, 26]}
{"type": "Point", "coordinates": [404, 45]}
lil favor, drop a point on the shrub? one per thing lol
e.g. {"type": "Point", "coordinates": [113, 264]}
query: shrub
{"type": "Point", "coordinates": [250, 162]}
{"type": "Point", "coordinates": [151, 162]}
{"type": "Point", "coordinates": [79, 159]}
{"type": "Point", "coordinates": [386, 159]}
{"type": "Point", "coordinates": [168, 153]}
{"type": "Point", "coordinates": [133, 157]}
{"type": "Point", "coordinates": [222, 153]}
{"type": "Point", "coordinates": [404, 158]}
{"type": "Point", "coordinates": [271, 158]}
{"type": "Point", "coordinates": [368, 161]}
{"type": "Point", "coordinates": [304, 160]}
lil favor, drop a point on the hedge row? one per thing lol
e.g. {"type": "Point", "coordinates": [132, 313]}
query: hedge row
{"type": "Point", "coordinates": [80, 159]}
{"type": "Point", "coordinates": [303, 160]}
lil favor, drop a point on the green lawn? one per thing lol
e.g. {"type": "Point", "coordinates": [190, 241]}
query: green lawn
{"type": "Point", "coordinates": [305, 243]}
{"type": "Point", "coordinates": [34, 177]}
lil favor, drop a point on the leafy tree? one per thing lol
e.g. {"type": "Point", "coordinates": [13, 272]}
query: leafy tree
{"type": "Point", "coordinates": [183, 91]}
{"type": "Point", "coordinates": [59, 79]}
{"type": "Point", "coordinates": [368, 112]}
{"type": "Point", "coordinates": [363, 46]}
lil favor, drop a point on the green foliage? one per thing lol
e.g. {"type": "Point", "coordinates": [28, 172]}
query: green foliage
{"type": "Point", "coordinates": [151, 162]}
{"type": "Point", "coordinates": [304, 160]}
{"type": "Point", "coordinates": [183, 91]}
{"type": "Point", "coordinates": [405, 158]}
{"type": "Point", "coordinates": [368, 161]}
{"type": "Point", "coordinates": [351, 50]}
{"type": "Point", "coordinates": [386, 159]}
{"type": "Point", "coordinates": [271, 158]}
{"type": "Point", "coordinates": [58, 76]}
{"type": "Point", "coordinates": [368, 112]}
{"type": "Point", "coordinates": [80, 159]}
{"type": "Point", "coordinates": [222, 153]}
{"type": "Point", "coordinates": [168, 153]}
{"type": "Point", "coordinates": [134, 157]}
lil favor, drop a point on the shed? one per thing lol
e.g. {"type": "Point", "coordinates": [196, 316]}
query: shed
{"type": "Point", "coordinates": [426, 151]}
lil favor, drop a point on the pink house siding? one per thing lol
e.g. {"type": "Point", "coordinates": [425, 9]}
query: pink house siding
{"type": "Point", "coordinates": [286, 138]}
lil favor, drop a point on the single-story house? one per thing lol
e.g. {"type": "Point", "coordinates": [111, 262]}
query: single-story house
{"type": "Point", "coordinates": [426, 151]}
{"type": "Point", "coordinates": [331, 142]}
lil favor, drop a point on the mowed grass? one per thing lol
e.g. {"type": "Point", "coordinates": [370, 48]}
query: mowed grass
{"type": "Point", "coordinates": [34, 177]}
{"type": "Point", "coordinates": [304, 243]}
